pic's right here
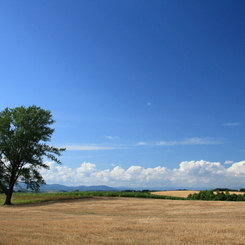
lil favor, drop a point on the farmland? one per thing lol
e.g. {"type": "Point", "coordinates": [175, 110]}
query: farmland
{"type": "Point", "coordinates": [185, 193]}
{"type": "Point", "coordinates": [174, 193]}
{"type": "Point", "coordinates": [122, 220]}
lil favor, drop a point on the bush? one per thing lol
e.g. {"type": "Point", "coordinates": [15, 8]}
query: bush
{"type": "Point", "coordinates": [224, 189]}
{"type": "Point", "coordinates": [218, 196]}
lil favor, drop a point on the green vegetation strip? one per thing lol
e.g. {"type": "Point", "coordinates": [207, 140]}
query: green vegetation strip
{"type": "Point", "coordinates": [22, 198]}
{"type": "Point", "coordinates": [216, 196]}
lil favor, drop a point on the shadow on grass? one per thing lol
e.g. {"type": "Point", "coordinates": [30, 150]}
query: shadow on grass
{"type": "Point", "coordinates": [28, 200]}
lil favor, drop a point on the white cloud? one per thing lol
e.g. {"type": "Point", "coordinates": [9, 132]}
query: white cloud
{"type": "Point", "coordinates": [188, 141]}
{"type": "Point", "coordinates": [201, 141]}
{"type": "Point", "coordinates": [228, 162]}
{"type": "Point", "coordinates": [238, 169]}
{"type": "Point", "coordinates": [148, 104]}
{"type": "Point", "coordinates": [90, 147]}
{"type": "Point", "coordinates": [191, 174]}
{"type": "Point", "coordinates": [200, 167]}
{"type": "Point", "coordinates": [111, 137]}
{"type": "Point", "coordinates": [232, 124]}
{"type": "Point", "coordinates": [142, 143]}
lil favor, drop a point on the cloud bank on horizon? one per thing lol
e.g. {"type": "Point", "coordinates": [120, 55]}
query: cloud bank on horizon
{"type": "Point", "coordinates": [191, 174]}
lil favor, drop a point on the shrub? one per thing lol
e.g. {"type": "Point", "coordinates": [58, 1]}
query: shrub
{"type": "Point", "coordinates": [218, 196]}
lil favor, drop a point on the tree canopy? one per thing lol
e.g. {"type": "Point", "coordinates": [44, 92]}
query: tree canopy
{"type": "Point", "coordinates": [24, 133]}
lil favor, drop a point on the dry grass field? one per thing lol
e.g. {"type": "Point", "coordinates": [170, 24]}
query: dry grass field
{"type": "Point", "coordinates": [174, 193]}
{"type": "Point", "coordinates": [184, 193]}
{"type": "Point", "coordinates": [114, 220]}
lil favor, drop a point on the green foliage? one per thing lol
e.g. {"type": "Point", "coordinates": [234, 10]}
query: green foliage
{"type": "Point", "coordinates": [23, 136]}
{"type": "Point", "coordinates": [21, 198]}
{"type": "Point", "coordinates": [224, 189]}
{"type": "Point", "coordinates": [216, 196]}
{"type": "Point", "coordinates": [138, 194]}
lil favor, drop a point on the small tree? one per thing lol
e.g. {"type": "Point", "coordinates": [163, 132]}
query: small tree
{"type": "Point", "coordinates": [23, 136]}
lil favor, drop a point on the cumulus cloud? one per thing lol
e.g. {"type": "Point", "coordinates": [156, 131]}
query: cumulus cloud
{"type": "Point", "coordinates": [191, 174]}
{"type": "Point", "coordinates": [200, 168]}
{"type": "Point", "coordinates": [237, 169]}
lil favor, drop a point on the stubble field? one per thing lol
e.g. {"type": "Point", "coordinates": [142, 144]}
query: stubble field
{"type": "Point", "coordinates": [185, 193]}
{"type": "Point", "coordinates": [116, 220]}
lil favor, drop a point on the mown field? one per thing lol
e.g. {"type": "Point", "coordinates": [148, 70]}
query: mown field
{"type": "Point", "coordinates": [185, 193]}
{"type": "Point", "coordinates": [122, 220]}
{"type": "Point", "coordinates": [174, 193]}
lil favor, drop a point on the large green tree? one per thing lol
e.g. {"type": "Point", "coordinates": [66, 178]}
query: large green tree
{"type": "Point", "coordinates": [24, 132]}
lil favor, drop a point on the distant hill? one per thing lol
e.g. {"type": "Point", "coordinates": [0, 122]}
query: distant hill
{"type": "Point", "coordinates": [57, 187]}
{"type": "Point", "coordinates": [63, 188]}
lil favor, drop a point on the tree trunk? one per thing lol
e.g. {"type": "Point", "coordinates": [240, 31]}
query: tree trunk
{"type": "Point", "coordinates": [8, 194]}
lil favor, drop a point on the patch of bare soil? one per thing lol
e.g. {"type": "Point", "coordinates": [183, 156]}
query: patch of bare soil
{"type": "Point", "coordinates": [106, 220]}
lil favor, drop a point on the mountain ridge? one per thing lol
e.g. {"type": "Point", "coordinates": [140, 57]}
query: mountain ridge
{"type": "Point", "coordinates": [63, 188]}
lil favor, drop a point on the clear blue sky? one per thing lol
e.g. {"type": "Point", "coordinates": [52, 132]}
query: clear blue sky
{"type": "Point", "coordinates": [137, 88]}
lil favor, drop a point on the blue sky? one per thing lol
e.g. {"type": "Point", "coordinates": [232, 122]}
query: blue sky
{"type": "Point", "coordinates": [137, 88]}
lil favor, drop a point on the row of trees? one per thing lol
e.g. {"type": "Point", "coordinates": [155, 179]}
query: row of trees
{"type": "Point", "coordinates": [24, 133]}
{"type": "Point", "coordinates": [216, 196]}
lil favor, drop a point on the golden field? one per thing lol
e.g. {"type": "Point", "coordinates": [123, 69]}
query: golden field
{"type": "Point", "coordinates": [114, 220]}
{"type": "Point", "coordinates": [174, 193]}
{"type": "Point", "coordinates": [184, 193]}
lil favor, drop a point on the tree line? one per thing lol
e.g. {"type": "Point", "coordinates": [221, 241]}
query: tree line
{"type": "Point", "coordinates": [216, 195]}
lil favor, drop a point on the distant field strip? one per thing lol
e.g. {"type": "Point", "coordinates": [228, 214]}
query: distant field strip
{"type": "Point", "coordinates": [174, 193]}
{"type": "Point", "coordinates": [185, 193]}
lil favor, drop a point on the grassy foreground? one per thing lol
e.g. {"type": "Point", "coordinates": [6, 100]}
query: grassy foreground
{"type": "Point", "coordinates": [123, 221]}
{"type": "Point", "coordinates": [24, 198]}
